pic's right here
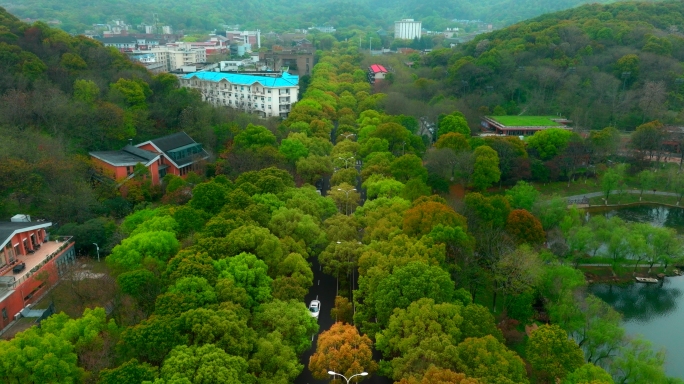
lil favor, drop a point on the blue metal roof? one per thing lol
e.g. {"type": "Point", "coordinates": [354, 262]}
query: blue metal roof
{"type": "Point", "coordinates": [285, 80]}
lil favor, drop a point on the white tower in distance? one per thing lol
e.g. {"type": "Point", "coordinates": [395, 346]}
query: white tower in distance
{"type": "Point", "coordinates": [407, 29]}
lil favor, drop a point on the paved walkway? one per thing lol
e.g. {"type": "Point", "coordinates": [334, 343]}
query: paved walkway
{"type": "Point", "coordinates": [632, 191]}
{"type": "Point", "coordinates": [641, 265]}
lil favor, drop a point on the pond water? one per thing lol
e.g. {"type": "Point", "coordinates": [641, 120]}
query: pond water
{"type": "Point", "coordinates": [655, 311]}
{"type": "Point", "coordinates": [658, 215]}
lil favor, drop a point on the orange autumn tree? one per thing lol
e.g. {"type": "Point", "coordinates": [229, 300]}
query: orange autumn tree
{"type": "Point", "coordinates": [343, 350]}
{"type": "Point", "coordinates": [420, 219]}
{"type": "Point", "coordinates": [436, 375]}
{"type": "Point", "coordinates": [524, 227]}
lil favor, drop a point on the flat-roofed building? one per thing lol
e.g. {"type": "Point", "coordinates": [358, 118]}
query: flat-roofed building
{"type": "Point", "coordinates": [175, 57]}
{"type": "Point", "coordinates": [522, 125]}
{"type": "Point", "coordinates": [297, 61]}
{"type": "Point", "coordinates": [267, 94]}
{"type": "Point", "coordinates": [407, 29]}
{"type": "Point", "coordinates": [29, 264]}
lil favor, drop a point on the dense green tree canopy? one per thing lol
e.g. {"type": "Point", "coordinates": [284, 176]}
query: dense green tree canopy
{"type": "Point", "coordinates": [290, 319]}
{"type": "Point", "coordinates": [205, 364]}
{"type": "Point", "coordinates": [149, 249]}
{"type": "Point", "coordinates": [249, 273]}
{"type": "Point", "coordinates": [488, 359]}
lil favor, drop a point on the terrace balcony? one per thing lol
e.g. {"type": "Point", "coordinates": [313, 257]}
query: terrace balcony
{"type": "Point", "coordinates": [48, 250]}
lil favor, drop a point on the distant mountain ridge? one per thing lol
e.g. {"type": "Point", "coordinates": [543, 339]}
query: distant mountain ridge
{"type": "Point", "coordinates": [616, 64]}
{"type": "Point", "coordinates": [76, 15]}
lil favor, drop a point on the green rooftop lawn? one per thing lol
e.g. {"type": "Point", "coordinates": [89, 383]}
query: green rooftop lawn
{"type": "Point", "coordinates": [526, 121]}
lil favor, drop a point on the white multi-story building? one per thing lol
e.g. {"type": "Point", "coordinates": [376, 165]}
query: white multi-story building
{"type": "Point", "coordinates": [325, 29]}
{"type": "Point", "coordinates": [122, 43]}
{"type": "Point", "coordinates": [174, 58]}
{"type": "Point", "coordinates": [407, 29]}
{"type": "Point", "coordinates": [263, 94]}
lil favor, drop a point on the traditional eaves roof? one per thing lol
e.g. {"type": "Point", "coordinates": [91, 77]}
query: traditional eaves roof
{"type": "Point", "coordinates": [285, 79]}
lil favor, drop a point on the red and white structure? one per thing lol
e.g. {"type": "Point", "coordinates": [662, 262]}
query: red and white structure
{"type": "Point", "coordinates": [247, 37]}
{"type": "Point", "coordinates": [376, 72]}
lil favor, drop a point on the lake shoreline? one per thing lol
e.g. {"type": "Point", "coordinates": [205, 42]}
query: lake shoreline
{"type": "Point", "coordinates": [654, 311]}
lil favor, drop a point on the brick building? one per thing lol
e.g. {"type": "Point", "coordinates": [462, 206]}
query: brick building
{"type": "Point", "coordinates": [29, 264]}
{"type": "Point", "coordinates": [175, 154]}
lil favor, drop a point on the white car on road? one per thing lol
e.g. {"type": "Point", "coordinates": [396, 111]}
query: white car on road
{"type": "Point", "coordinates": [315, 308]}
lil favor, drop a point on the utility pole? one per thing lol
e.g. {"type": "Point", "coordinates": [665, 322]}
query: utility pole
{"type": "Point", "coordinates": [98, 252]}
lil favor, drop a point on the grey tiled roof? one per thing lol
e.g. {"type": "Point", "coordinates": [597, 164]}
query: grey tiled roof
{"type": "Point", "coordinates": [170, 142]}
{"type": "Point", "coordinates": [129, 155]}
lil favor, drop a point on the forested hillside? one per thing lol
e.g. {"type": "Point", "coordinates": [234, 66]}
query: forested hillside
{"type": "Point", "coordinates": [62, 96]}
{"type": "Point", "coordinates": [77, 15]}
{"type": "Point", "coordinates": [599, 65]}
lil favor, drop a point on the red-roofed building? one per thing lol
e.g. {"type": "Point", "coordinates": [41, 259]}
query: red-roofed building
{"type": "Point", "coordinates": [376, 72]}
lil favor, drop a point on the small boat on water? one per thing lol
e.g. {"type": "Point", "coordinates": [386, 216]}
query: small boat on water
{"type": "Point", "coordinates": [646, 280]}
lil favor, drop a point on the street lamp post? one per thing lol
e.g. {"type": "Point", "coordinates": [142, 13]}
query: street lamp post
{"type": "Point", "coordinates": [346, 160]}
{"type": "Point", "coordinates": [98, 252]}
{"type": "Point", "coordinates": [346, 201]}
{"type": "Point", "coordinates": [333, 373]}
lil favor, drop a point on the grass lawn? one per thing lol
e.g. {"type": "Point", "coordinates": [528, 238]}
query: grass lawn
{"type": "Point", "coordinates": [527, 121]}
{"type": "Point", "coordinates": [561, 188]}
{"type": "Point", "coordinates": [587, 185]}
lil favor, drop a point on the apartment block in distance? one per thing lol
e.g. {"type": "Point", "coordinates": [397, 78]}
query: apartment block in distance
{"type": "Point", "coordinates": [407, 29]}
{"type": "Point", "coordinates": [267, 93]}
{"type": "Point", "coordinates": [29, 264]}
{"type": "Point", "coordinates": [173, 58]}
